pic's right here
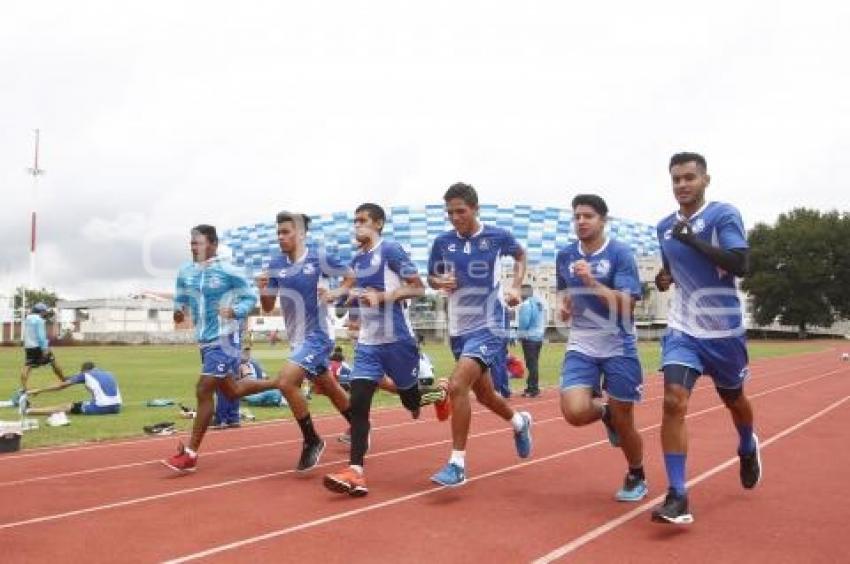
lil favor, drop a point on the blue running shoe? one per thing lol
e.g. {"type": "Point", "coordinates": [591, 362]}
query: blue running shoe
{"type": "Point", "coordinates": [522, 438]}
{"type": "Point", "coordinates": [634, 489]}
{"type": "Point", "coordinates": [613, 436]}
{"type": "Point", "coordinates": [450, 475]}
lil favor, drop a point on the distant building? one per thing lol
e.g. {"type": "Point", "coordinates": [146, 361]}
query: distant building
{"type": "Point", "coordinates": [137, 319]}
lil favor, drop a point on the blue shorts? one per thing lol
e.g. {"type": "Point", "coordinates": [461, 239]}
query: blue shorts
{"type": "Point", "coordinates": [623, 376]}
{"type": "Point", "coordinates": [88, 407]}
{"type": "Point", "coordinates": [313, 355]}
{"type": "Point", "coordinates": [399, 361]}
{"type": "Point", "coordinates": [217, 362]}
{"type": "Point", "coordinates": [482, 345]}
{"type": "Point", "coordinates": [725, 359]}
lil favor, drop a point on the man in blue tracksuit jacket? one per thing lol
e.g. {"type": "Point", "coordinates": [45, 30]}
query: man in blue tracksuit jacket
{"type": "Point", "coordinates": [218, 297]}
{"type": "Point", "coordinates": [531, 326]}
{"type": "Point", "coordinates": [36, 347]}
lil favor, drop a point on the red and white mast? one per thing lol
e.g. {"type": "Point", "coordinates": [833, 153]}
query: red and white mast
{"type": "Point", "coordinates": [35, 171]}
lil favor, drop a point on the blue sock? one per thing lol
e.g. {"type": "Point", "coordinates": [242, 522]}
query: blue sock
{"type": "Point", "coordinates": [675, 465]}
{"type": "Point", "coordinates": [747, 444]}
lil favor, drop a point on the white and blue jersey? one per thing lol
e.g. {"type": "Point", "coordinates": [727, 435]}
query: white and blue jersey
{"type": "Point", "coordinates": [297, 284]}
{"type": "Point", "coordinates": [383, 268]}
{"type": "Point", "coordinates": [595, 329]}
{"type": "Point", "coordinates": [100, 384]}
{"type": "Point", "coordinates": [476, 262]}
{"type": "Point", "coordinates": [252, 370]}
{"type": "Point", "coordinates": [602, 340]}
{"type": "Point", "coordinates": [35, 332]}
{"type": "Point", "coordinates": [307, 319]}
{"type": "Point", "coordinates": [705, 329]}
{"type": "Point", "coordinates": [204, 288]}
{"type": "Point", "coordinates": [386, 344]}
{"type": "Point", "coordinates": [705, 301]}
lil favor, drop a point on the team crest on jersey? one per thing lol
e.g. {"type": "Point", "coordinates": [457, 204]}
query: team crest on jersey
{"type": "Point", "coordinates": [483, 245]}
{"type": "Point", "coordinates": [376, 259]}
{"type": "Point", "coordinates": [698, 226]}
{"type": "Point", "coordinates": [215, 282]}
{"type": "Point", "coordinates": [602, 268]}
{"type": "Point", "coordinates": [309, 269]}
{"type": "Point", "coordinates": [451, 247]}
{"type": "Point", "coordinates": [282, 273]}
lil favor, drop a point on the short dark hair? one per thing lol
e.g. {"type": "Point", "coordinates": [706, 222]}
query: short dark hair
{"type": "Point", "coordinates": [682, 158]}
{"type": "Point", "coordinates": [375, 211]}
{"type": "Point", "coordinates": [207, 231]}
{"type": "Point", "coordinates": [87, 365]}
{"type": "Point", "coordinates": [463, 191]}
{"type": "Point", "coordinates": [592, 200]}
{"type": "Point", "coordinates": [285, 216]}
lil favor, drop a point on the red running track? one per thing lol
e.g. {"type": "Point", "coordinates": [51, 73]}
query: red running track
{"type": "Point", "coordinates": [114, 501]}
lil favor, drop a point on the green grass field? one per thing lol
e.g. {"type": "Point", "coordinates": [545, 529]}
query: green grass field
{"type": "Point", "coordinates": [146, 372]}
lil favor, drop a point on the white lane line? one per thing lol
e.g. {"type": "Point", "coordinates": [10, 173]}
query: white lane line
{"type": "Point", "coordinates": [153, 461]}
{"type": "Point", "coordinates": [421, 493]}
{"type": "Point", "coordinates": [237, 481]}
{"type": "Point", "coordinates": [51, 450]}
{"type": "Point", "coordinates": [97, 470]}
{"type": "Point", "coordinates": [185, 434]}
{"type": "Point", "coordinates": [609, 526]}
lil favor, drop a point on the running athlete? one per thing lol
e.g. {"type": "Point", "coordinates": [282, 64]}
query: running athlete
{"type": "Point", "coordinates": [385, 279]}
{"type": "Point", "coordinates": [219, 298]}
{"type": "Point", "coordinates": [465, 263]}
{"type": "Point", "coordinates": [598, 285]}
{"type": "Point", "coordinates": [300, 276]}
{"type": "Point", "coordinates": [703, 248]}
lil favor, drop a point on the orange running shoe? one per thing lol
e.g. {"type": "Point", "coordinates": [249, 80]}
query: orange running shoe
{"type": "Point", "coordinates": [444, 406]}
{"type": "Point", "coordinates": [347, 480]}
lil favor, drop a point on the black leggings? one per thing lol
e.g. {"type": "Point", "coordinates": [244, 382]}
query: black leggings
{"type": "Point", "coordinates": [361, 403]}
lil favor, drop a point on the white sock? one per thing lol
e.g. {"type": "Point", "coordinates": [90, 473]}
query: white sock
{"type": "Point", "coordinates": [190, 452]}
{"type": "Point", "coordinates": [358, 469]}
{"type": "Point", "coordinates": [517, 421]}
{"type": "Point", "coordinates": [458, 457]}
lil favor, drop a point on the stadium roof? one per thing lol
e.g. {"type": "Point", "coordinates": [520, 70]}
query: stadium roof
{"type": "Point", "coordinates": [542, 231]}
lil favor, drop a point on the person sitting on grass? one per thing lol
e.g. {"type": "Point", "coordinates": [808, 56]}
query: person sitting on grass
{"type": "Point", "coordinates": [105, 396]}
{"type": "Point", "coordinates": [250, 368]}
{"type": "Point", "coordinates": [227, 409]}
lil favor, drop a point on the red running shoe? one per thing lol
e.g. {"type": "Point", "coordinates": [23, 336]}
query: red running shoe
{"type": "Point", "coordinates": [182, 462]}
{"type": "Point", "coordinates": [444, 406]}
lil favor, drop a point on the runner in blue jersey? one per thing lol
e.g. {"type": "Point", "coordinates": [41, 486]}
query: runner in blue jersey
{"type": "Point", "coordinates": [703, 247]}
{"type": "Point", "coordinates": [598, 285]}
{"type": "Point", "coordinates": [299, 276]}
{"type": "Point", "coordinates": [465, 263]}
{"type": "Point", "coordinates": [385, 280]}
{"type": "Point", "coordinates": [218, 298]}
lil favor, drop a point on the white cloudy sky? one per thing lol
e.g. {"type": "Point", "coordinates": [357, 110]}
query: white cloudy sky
{"type": "Point", "coordinates": [164, 114]}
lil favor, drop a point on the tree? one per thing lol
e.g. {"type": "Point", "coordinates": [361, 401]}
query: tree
{"type": "Point", "coordinates": [799, 268]}
{"type": "Point", "coordinates": [43, 295]}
